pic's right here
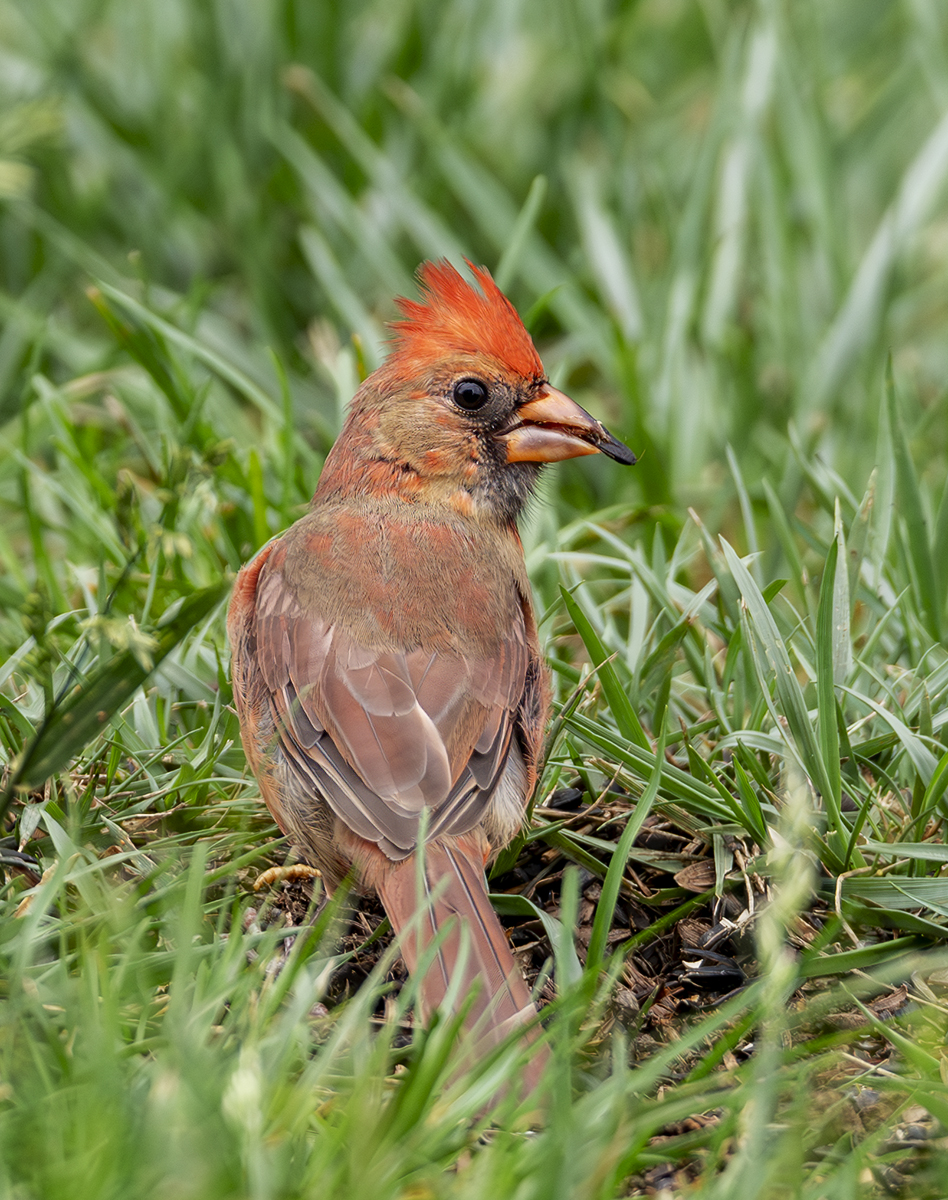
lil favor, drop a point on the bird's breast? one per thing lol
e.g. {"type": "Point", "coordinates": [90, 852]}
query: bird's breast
{"type": "Point", "coordinates": [399, 582]}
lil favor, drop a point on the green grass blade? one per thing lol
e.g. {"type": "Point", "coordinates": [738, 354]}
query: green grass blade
{"type": "Point", "coordinates": [227, 371]}
{"type": "Point", "coordinates": [774, 668]}
{"type": "Point", "coordinates": [681, 784]}
{"type": "Point", "coordinates": [921, 757]}
{"type": "Point", "coordinates": [605, 908]}
{"type": "Point", "coordinates": [509, 261]}
{"type": "Point", "coordinates": [621, 707]}
{"type": "Point", "coordinates": [86, 713]}
{"type": "Point", "coordinates": [940, 546]}
{"type": "Point", "coordinates": [747, 515]}
{"type": "Point", "coordinates": [510, 905]}
{"type": "Point", "coordinates": [829, 617]}
{"type": "Point", "coordinates": [788, 545]}
{"type": "Point", "coordinates": [931, 601]}
{"type": "Point", "coordinates": [919, 851]}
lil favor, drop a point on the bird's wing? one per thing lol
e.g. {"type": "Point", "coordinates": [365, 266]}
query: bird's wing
{"type": "Point", "coordinates": [386, 735]}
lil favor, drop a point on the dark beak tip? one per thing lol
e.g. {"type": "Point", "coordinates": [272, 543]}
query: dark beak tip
{"type": "Point", "coordinates": [617, 450]}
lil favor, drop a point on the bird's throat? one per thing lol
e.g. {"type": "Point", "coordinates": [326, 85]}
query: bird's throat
{"type": "Point", "coordinates": [475, 484]}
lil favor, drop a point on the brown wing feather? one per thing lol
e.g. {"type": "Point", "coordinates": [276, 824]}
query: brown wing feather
{"type": "Point", "coordinates": [380, 734]}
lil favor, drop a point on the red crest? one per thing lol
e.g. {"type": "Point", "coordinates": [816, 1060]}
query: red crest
{"type": "Point", "coordinates": [454, 317]}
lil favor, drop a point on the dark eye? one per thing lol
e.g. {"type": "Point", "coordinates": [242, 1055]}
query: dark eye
{"type": "Point", "coordinates": [470, 394]}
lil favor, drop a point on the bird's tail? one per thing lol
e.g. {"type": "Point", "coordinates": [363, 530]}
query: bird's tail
{"type": "Point", "coordinates": [472, 953]}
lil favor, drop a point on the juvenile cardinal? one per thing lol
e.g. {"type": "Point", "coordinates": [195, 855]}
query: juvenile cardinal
{"type": "Point", "coordinates": [386, 666]}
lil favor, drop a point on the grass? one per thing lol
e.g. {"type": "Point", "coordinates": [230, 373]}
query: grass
{"type": "Point", "coordinates": [725, 224]}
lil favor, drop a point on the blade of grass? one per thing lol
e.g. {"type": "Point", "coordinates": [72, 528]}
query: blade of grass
{"type": "Point", "coordinates": [605, 908]}
{"type": "Point", "coordinates": [827, 637]}
{"type": "Point", "coordinates": [763, 633]}
{"type": "Point", "coordinates": [931, 601]}
{"type": "Point", "coordinates": [621, 707]}
{"type": "Point", "coordinates": [72, 724]}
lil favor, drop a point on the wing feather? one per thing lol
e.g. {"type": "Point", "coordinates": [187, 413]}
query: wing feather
{"type": "Point", "coordinates": [381, 734]}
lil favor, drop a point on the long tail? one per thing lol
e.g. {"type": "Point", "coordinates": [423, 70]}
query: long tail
{"type": "Point", "coordinates": [455, 897]}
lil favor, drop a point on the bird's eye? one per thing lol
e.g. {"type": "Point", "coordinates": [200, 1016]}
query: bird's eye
{"type": "Point", "coordinates": [470, 394]}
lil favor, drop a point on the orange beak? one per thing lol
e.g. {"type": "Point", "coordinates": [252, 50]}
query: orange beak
{"type": "Point", "coordinates": [553, 427]}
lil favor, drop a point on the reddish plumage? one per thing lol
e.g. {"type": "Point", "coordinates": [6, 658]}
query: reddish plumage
{"type": "Point", "coordinates": [386, 666]}
{"type": "Point", "coordinates": [454, 318]}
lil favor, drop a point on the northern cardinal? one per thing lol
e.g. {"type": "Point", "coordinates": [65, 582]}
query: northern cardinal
{"type": "Point", "coordinates": [386, 666]}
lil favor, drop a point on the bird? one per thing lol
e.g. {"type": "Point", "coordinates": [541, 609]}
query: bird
{"type": "Point", "coordinates": [386, 668]}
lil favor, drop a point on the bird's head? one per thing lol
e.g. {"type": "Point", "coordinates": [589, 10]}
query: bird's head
{"type": "Point", "coordinates": [461, 412]}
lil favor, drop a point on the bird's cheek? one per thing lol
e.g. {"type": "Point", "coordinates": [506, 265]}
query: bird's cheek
{"type": "Point", "coordinates": [453, 454]}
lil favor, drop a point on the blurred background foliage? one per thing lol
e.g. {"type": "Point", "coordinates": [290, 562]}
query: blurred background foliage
{"type": "Point", "coordinates": [729, 212]}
